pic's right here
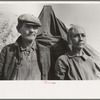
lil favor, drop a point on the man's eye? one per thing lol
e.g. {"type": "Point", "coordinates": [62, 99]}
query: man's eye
{"type": "Point", "coordinates": [31, 26]}
{"type": "Point", "coordinates": [35, 27]}
{"type": "Point", "coordinates": [28, 26]}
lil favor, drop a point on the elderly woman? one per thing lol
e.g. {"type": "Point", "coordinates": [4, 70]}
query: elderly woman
{"type": "Point", "coordinates": [75, 64]}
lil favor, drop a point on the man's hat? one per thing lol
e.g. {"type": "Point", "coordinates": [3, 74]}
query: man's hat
{"type": "Point", "coordinates": [29, 19]}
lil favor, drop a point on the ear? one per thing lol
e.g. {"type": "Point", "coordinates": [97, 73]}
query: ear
{"type": "Point", "coordinates": [18, 29]}
{"type": "Point", "coordinates": [70, 43]}
{"type": "Point", "coordinates": [69, 39]}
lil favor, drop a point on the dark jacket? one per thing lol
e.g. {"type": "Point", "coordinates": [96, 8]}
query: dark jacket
{"type": "Point", "coordinates": [10, 58]}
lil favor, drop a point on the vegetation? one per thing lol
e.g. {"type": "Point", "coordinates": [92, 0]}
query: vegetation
{"type": "Point", "coordinates": [8, 32]}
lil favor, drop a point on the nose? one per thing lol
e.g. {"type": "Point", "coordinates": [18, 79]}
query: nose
{"type": "Point", "coordinates": [80, 37]}
{"type": "Point", "coordinates": [31, 29]}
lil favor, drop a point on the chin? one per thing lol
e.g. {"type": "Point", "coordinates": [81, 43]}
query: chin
{"type": "Point", "coordinates": [81, 47]}
{"type": "Point", "coordinates": [30, 39]}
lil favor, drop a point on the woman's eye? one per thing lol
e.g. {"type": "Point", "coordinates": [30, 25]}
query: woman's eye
{"type": "Point", "coordinates": [75, 36]}
{"type": "Point", "coordinates": [83, 35]}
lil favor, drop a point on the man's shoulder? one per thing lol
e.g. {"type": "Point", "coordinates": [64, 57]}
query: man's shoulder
{"type": "Point", "coordinates": [9, 47]}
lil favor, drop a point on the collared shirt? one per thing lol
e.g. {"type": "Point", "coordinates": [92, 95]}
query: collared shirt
{"type": "Point", "coordinates": [76, 68]}
{"type": "Point", "coordinates": [29, 68]}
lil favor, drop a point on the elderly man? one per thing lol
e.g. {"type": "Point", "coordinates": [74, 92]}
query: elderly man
{"type": "Point", "coordinates": [75, 64]}
{"type": "Point", "coordinates": [25, 59]}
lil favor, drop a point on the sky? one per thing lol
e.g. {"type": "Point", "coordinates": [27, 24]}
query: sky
{"type": "Point", "coordinates": [84, 14]}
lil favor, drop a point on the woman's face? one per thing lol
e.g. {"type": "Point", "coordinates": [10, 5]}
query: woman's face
{"type": "Point", "coordinates": [78, 38]}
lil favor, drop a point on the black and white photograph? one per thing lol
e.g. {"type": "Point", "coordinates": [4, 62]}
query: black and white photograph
{"type": "Point", "coordinates": [54, 46]}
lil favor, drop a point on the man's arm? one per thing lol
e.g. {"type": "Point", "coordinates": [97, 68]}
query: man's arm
{"type": "Point", "coordinates": [2, 60]}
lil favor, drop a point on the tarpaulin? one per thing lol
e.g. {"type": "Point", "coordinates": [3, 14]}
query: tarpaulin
{"type": "Point", "coordinates": [53, 32]}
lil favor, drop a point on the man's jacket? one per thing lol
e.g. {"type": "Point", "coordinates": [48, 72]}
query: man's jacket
{"type": "Point", "coordinates": [10, 58]}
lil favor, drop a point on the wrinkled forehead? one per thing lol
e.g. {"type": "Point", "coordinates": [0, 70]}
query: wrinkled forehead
{"type": "Point", "coordinates": [75, 30]}
{"type": "Point", "coordinates": [78, 30]}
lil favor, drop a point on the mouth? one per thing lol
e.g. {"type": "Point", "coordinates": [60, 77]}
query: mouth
{"type": "Point", "coordinates": [81, 44]}
{"type": "Point", "coordinates": [31, 34]}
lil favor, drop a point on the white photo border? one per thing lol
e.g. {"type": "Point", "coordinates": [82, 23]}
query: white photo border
{"type": "Point", "coordinates": [50, 89]}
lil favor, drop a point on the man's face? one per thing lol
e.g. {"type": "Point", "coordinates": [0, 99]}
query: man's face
{"type": "Point", "coordinates": [28, 32]}
{"type": "Point", "coordinates": [78, 39]}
